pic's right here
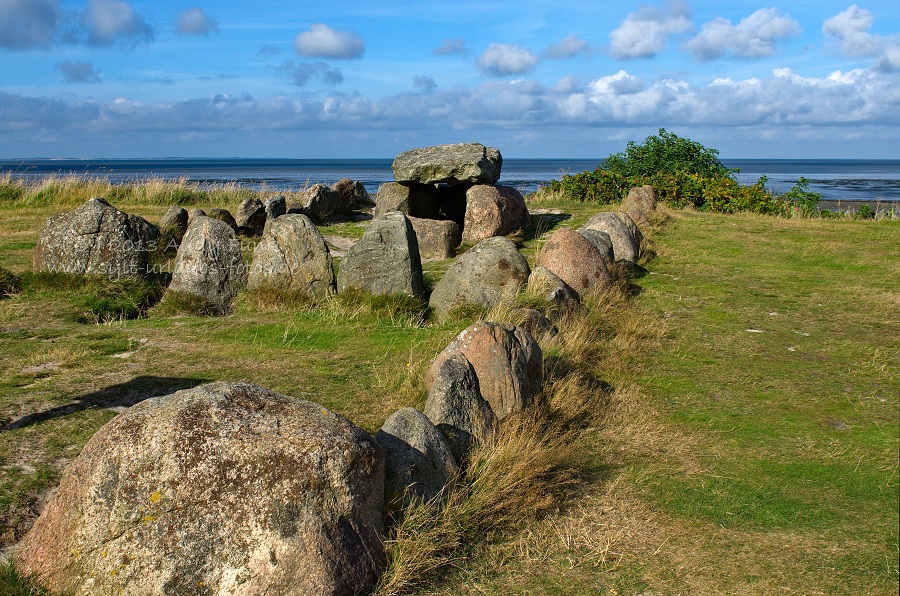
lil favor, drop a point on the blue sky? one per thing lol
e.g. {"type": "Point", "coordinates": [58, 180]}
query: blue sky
{"type": "Point", "coordinates": [162, 78]}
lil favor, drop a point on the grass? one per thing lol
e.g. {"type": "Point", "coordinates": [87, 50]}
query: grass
{"type": "Point", "coordinates": [725, 423]}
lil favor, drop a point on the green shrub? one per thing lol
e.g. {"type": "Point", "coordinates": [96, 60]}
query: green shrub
{"type": "Point", "coordinates": [666, 152]}
{"type": "Point", "coordinates": [866, 212]}
{"type": "Point", "coordinates": [800, 200]}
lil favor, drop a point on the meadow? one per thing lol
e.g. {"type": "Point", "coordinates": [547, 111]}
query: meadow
{"type": "Point", "coordinates": [723, 421]}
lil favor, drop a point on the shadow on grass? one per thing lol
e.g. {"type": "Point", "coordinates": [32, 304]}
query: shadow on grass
{"type": "Point", "coordinates": [117, 396]}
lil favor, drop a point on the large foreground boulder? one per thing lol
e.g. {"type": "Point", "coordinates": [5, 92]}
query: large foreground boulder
{"type": "Point", "coordinates": [456, 407]}
{"type": "Point", "coordinates": [95, 239]}
{"type": "Point", "coordinates": [418, 463]}
{"type": "Point", "coordinates": [575, 260]}
{"type": "Point", "coordinates": [483, 276]}
{"type": "Point", "coordinates": [385, 260]}
{"type": "Point", "coordinates": [222, 489]}
{"type": "Point", "coordinates": [209, 263]}
{"type": "Point", "coordinates": [507, 361]}
{"type": "Point", "coordinates": [462, 163]}
{"type": "Point", "coordinates": [493, 211]}
{"type": "Point", "coordinates": [292, 255]}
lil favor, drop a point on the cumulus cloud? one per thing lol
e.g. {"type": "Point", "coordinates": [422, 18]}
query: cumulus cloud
{"type": "Point", "coordinates": [567, 47]}
{"type": "Point", "coordinates": [501, 60]}
{"type": "Point", "coordinates": [78, 72]}
{"type": "Point", "coordinates": [851, 29]}
{"type": "Point", "coordinates": [301, 73]}
{"type": "Point", "coordinates": [448, 47]}
{"type": "Point", "coordinates": [28, 24]}
{"type": "Point", "coordinates": [424, 84]}
{"type": "Point", "coordinates": [193, 21]}
{"type": "Point", "coordinates": [321, 41]}
{"type": "Point", "coordinates": [115, 22]}
{"type": "Point", "coordinates": [756, 36]}
{"type": "Point", "coordinates": [890, 60]}
{"type": "Point", "coordinates": [645, 33]}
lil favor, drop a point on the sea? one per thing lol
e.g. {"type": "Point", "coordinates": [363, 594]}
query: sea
{"type": "Point", "coordinates": [849, 180]}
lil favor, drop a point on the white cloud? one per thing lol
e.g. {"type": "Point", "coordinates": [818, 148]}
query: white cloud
{"type": "Point", "coordinates": [568, 47]}
{"type": "Point", "coordinates": [321, 41]}
{"type": "Point", "coordinates": [620, 83]}
{"type": "Point", "coordinates": [890, 60]}
{"type": "Point", "coordinates": [851, 29]}
{"type": "Point", "coordinates": [449, 47]}
{"type": "Point", "coordinates": [501, 60]}
{"type": "Point", "coordinates": [424, 84]}
{"type": "Point", "coordinates": [78, 72]}
{"type": "Point", "coordinates": [28, 24]}
{"type": "Point", "coordinates": [755, 36]}
{"type": "Point", "coordinates": [193, 21]}
{"type": "Point", "coordinates": [114, 22]}
{"type": "Point", "coordinates": [645, 33]}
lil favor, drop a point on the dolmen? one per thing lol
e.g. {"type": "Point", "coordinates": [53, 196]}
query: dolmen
{"type": "Point", "coordinates": [454, 183]}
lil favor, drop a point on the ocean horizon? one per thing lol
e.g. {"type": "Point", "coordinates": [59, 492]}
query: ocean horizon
{"type": "Point", "coordinates": [857, 180]}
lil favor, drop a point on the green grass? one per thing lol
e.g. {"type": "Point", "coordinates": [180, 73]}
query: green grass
{"type": "Point", "coordinates": [748, 443]}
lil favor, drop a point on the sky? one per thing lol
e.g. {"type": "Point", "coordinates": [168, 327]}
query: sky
{"type": "Point", "coordinates": [357, 79]}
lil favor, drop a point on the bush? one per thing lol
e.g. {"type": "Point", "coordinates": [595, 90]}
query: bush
{"type": "Point", "coordinates": [684, 174]}
{"type": "Point", "coordinates": [800, 200]}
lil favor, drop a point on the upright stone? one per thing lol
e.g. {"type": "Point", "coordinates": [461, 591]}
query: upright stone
{"type": "Point", "coordinates": [493, 211]}
{"type": "Point", "coordinates": [223, 215]}
{"type": "Point", "coordinates": [385, 260]}
{"type": "Point", "coordinates": [418, 462]}
{"type": "Point", "coordinates": [322, 205]}
{"type": "Point", "coordinates": [225, 488]}
{"type": "Point", "coordinates": [209, 263]}
{"type": "Point", "coordinates": [353, 193]}
{"type": "Point", "coordinates": [462, 163]}
{"type": "Point", "coordinates": [507, 362]}
{"type": "Point", "coordinates": [483, 276]}
{"type": "Point", "coordinates": [625, 245]}
{"type": "Point", "coordinates": [173, 224]}
{"type": "Point", "coordinates": [437, 238]}
{"type": "Point", "coordinates": [576, 261]}
{"type": "Point", "coordinates": [251, 216]}
{"type": "Point", "coordinates": [456, 407]}
{"type": "Point", "coordinates": [95, 239]}
{"type": "Point", "coordinates": [275, 207]}
{"type": "Point", "coordinates": [641, 199]}
{"type": "Point", "coordinates": [292, 255]}
{"type": "Point", "coordinates": [415, 200]}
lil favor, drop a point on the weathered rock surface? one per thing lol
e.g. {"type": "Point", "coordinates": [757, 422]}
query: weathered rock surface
{"type": "Point", "coordinates": [385, 260]}
{"type": "Point", "coordinates": [209, 263]}
{"type": "Point", "coordinates": [416, 200]}
{"type": "Point", "coordinates": [601, 242]}
{"type": "Point", "coordinates": [251, 216]}
{"type": "Point", "coordinates": [222, 489]}
{"type": "Point", "coordinates": [323, 205]}
{"type": "Point", "coordinates": [625, 246]}
{"type": "Point", "coordinates": [194, 213]}
{"type": "Point", "coordinates": [462, 163]}
{"type": "Point", "coordinates": [456, 407]}
{"type": "Point", "coordinates": [275, 207]}
{"type": "Point", "coordinates": [292, 255]}
{"type": "Point", "coordinates": [572, 258]}
{"type": "Point", "coordinates": [547, 283]}
{"type": "Point", "coordinates": [95, 239]}
{"type": "Point", "coordinates": [173, 224]}
{"type": "Point", "coordinates": [353, 192]}
{"type": "Point", "coordinates": [507, 362]}
{"type": "Point", "coordinates": [223, 215]}
{"type": "Point", "coordinates": [417, 458]}
{"type": "Point", "coordinates": [493, 211]}
{"type": "Point", "coordinates": [641, 199]}
{"type": "Point", "coordinates": [437, 238]}
{"type": "Point", "coordinates": [484, 275]}
{"type": "Point", "coordinates": [633, 228]}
